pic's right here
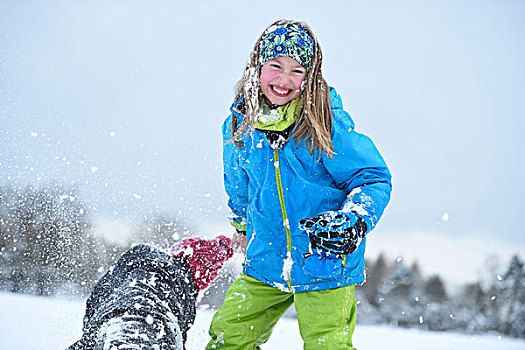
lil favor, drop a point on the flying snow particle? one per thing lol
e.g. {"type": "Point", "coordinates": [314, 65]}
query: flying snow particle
{"type": "Point", "coordinates": [149, 319]}
{"type": "Point", "coordinates": [94, 169]}
{"type": "Point", "coordinates": [444, 217]}
{"type": "Point", "coordinates": [137, 196]}
{"type": "Point", "coordinates": [421, 319]}
{"type": "Point", "coordinates": [207, 195]}
{"type": "Point", "coordinates": [34, 134]}
{"type": "Point", "coordinates": [111, 134]}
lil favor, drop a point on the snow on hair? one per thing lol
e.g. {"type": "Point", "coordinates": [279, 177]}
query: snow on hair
{"type": "Point", "coordinates": [314, 113]}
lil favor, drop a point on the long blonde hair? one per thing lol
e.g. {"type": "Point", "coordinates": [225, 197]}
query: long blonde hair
{"type": "Point", "coordinates": [314, 115]}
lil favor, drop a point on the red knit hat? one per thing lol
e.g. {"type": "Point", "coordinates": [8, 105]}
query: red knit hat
{"type": "Point", "coordinates": [204, 257]}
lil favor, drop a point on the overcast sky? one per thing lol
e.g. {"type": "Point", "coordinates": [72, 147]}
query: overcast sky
{"type": "Point", "coordinates": [125, 99]}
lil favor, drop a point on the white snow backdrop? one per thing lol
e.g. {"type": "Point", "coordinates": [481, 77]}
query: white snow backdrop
{"type": "Point", "coordinates": [125, 99]}
{"type": "Point", "coordinates": [35, 323]}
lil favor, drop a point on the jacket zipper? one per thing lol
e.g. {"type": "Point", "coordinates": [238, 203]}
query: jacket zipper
{"type": "Point", "coordinates": [286, 223]}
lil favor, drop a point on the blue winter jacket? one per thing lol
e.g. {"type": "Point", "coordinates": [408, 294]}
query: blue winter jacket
{"type": "Point", "coordinates": [272, 190]}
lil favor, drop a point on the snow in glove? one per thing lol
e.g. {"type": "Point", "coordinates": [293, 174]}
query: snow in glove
{"type": "Point", "coordinates": [335, 232]}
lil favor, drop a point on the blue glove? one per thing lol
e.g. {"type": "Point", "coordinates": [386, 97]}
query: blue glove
{"type": "Point", "coordinates": [335, 232]}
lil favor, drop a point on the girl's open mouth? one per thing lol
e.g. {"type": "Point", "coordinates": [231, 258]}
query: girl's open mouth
{"type": "Point", "coordinates": [280, 91]}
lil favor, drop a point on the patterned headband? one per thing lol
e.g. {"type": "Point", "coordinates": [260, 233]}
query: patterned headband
{"type": "Point", "coordinates": [287, 40]}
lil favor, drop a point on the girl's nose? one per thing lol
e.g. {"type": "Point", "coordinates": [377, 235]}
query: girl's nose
{"type": "Point", "coordinates": [284, 78]}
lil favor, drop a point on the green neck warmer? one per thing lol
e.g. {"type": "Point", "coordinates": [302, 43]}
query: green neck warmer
{"type": "Point", "coordinates": [278, 119]}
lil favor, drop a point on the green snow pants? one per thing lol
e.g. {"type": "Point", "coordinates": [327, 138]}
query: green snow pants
{"type": "Point", "coordinates": [252, 308]}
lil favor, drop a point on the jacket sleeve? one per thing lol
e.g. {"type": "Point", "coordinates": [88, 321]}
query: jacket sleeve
{"type": "Point", "coordinates": [358, 168]}
{"type": "Point", "coordinates": [235, 179]}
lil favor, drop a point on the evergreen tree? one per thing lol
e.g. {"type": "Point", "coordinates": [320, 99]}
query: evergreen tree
{"type": "Point", "coordinates": [402, 295]}
{"type": "Point", "coordinates": [375, 278]}
{"type": "Point", "coordinates": [513, 295]}
{"type": "Point", "coordinates": [472, 309]}
{"type": "Point", "coordinates": [434, 290]}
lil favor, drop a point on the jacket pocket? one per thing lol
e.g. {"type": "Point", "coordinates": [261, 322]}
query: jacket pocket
{"type": "Point", "coordinates": [322, 265]}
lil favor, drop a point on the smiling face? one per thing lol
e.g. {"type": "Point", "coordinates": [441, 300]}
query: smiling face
{"type": "Point", "coordinates": [281, 80]}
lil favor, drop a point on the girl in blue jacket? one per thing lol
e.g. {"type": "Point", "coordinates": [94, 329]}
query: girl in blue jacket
{"type": "Point", "coordinates": [304, 189]}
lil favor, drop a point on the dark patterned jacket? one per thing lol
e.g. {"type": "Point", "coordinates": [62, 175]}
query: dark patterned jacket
{"type": "Point", "coordinates": [146, 300]}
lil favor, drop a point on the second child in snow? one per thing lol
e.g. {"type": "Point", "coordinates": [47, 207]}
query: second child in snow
{"type": "Point", "coordinates": [305, 189]}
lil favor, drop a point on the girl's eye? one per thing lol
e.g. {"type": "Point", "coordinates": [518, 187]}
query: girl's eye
{"type": "Point", "coordinates": [276, 66]}
{"type": "Point", "coordinates": [298, 71]}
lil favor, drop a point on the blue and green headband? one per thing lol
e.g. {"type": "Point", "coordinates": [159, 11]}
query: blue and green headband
{"type": "Point", "coordinates": [287, 40]}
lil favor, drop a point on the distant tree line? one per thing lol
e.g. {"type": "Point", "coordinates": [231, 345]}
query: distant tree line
{"type": "Point", "coordinates": [48, 245]}
{"type": "Point", "coordinates": [397, 294]}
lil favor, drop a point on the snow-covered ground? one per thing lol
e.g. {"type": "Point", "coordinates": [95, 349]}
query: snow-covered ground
{"type": "Point", "coordinates": [34, 323]}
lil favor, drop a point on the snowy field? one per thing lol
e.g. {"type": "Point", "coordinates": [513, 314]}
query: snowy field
{"type": "Point", "coordinates": [34, 323]}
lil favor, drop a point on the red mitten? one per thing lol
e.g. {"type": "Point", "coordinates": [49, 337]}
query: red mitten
{"type": "Point", "coordinates": [205, 257]}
